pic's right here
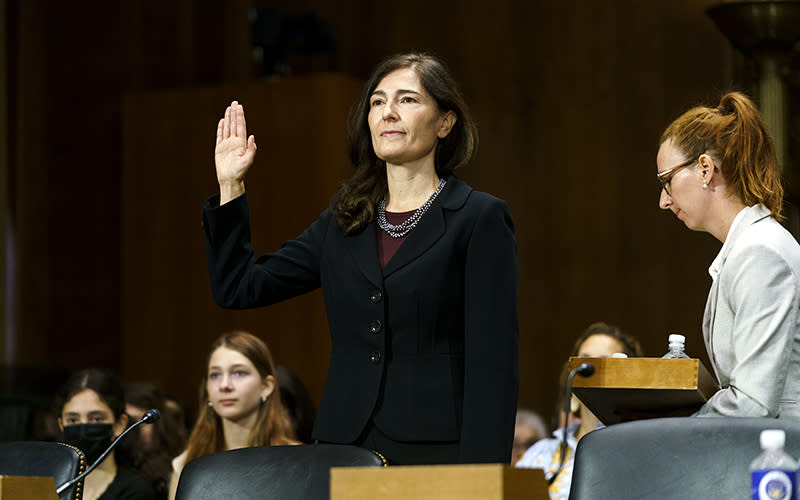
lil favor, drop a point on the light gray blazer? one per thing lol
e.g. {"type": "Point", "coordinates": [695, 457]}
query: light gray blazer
{"type": "Point", "coordinates": [751, 324]}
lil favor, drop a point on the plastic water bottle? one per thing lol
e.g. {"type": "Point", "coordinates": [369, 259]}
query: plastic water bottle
{"type": "Point", "coordinates": [676, 343]}
{"type": "Point", "coordinates": [773, 473]}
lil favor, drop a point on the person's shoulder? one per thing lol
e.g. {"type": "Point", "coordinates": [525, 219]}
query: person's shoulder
{"type": "Point", "coordinates": [485, 199]}
{"type": "Point", "coordinates": [769, 231]}
{"type": "Point", "coordinates": [179, 461]}
{"type": "Point", "coordinates": [128, 485]}
{"type": "Point", "coordinates": [129, 477]}
{"type": "Point", "coordinates": [462, 195]}
{"type": "Point", "coordinates": [540, 454]}
{"type": "Point", "coordinates": [767, 240]}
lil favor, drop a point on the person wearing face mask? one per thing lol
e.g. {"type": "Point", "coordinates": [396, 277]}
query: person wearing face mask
{"type": "Point", "coordinates": [91, 409]}
{"type": "Point", "coordinates": [240, 403]}
{"type": "Point", "coordinates": [719, 174]}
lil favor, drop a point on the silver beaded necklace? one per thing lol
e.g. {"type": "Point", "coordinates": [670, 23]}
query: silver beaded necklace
{"type": "Point", "coordinates": [400, 230]}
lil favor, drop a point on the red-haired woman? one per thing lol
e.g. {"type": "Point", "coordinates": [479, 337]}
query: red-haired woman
{"type": "Point", "coordinates": [719, 174]}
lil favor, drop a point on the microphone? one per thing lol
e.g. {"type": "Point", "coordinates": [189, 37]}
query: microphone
{"type": "Point", "coordinates": [584, 370]}
{"type": "Point", "coordinates": [149, 417]}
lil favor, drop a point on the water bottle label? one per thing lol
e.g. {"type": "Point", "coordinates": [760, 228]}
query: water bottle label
{"type": "Point", "coordinates": [775, 484]}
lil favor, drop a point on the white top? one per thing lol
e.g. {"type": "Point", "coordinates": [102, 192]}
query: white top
{"type": "Point", "coordinates": [751, 324]}
{"type": "Point", "coordinates": [546, 453]}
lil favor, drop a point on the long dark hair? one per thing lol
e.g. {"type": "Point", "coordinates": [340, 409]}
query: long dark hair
{"type": "Point", "coordinates": [355, 201]}
{"type": "Point", "coordinates": [109, 389]}
{"type": "Point", "coordinates": [153, 460]}
{"type": "Point", "coordinates": [105, 384]}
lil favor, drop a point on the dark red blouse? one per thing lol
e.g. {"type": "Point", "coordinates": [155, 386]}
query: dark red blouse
{"type": "Point", "coordinates": [387, 245]}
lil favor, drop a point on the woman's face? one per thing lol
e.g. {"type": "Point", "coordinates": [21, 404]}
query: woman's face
{"type": "Point", "coordinates": [600, 346]}
{"type": "Point", "coordinates": [687, 199]}
{"type": "Point", "coordinates": [86, 407]}
{"type": "Point", "coordinates": [404, 120]}
{"type": "Point", "coordinates": [234, 386]}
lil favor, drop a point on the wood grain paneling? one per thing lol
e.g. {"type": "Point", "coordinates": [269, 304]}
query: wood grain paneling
{"type": "Point", "coordinates": [570, 98]}
{"type": "Point", "coordinates": [168, 316]}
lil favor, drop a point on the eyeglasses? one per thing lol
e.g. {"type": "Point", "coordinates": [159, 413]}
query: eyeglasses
{"type": "Point", "coordinates": [666, 176]}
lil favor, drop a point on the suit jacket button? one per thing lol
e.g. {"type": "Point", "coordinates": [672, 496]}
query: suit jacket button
{"type": "Point", "coordinates": [375, 326]}
{"type": "Point", "coordinates": [376, 296]}
{"type": "Point", "coordinates": [376, 357]}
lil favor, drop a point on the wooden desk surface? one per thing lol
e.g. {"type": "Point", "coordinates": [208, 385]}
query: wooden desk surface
{"type": "Point", "coordinates": [27, 488]}
{"type": "Point", "coordinates": [633, 388]}
{"type": "Point", "coordinates": [438, 482]}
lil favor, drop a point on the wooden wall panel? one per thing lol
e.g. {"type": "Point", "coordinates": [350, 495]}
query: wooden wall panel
{"type": "Point", "coordinates": [168, 316]}
{"type": "Point", "coordinates": [6, 351]}
{"type": "Point", "coordinates": [570, 98]}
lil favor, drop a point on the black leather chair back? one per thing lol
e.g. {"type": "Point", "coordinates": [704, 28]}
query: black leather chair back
{"type": "Point", "coordinates": [673, 458]}
{"type": "Point", "coordinates": [60, 461]}
{"type": "Point", "coordinates": [299, 472]}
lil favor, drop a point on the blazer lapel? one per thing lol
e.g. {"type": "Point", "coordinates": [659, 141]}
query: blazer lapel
{"type": "Point", "coordinates": [750, 216]}
{"type": "Point", "coordinates": [363, 247]}
{"type": "Point", "coordinates": [429, 229]}
{"type": "Point", "coordinates": [432, 225]}
{"type": "Point", "coordinates": [708, 323]}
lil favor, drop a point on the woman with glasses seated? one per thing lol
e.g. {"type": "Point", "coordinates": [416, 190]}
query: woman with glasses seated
{"type": "Point", "coordinates": [719, 174]}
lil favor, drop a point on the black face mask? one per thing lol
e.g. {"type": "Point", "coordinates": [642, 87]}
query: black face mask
{"type": "Point", "coordinates": [91, 439]}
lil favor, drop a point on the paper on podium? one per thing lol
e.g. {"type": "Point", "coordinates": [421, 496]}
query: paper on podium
{"type": "Point", "coordinates": [438, 482]}
{"type": "Point", "coordinates": [27, 488]}
{"type": "Point", "coordinates": [623, 389]}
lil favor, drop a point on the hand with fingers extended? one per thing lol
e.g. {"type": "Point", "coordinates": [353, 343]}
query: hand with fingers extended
{"type": "Point", "coordinates": [234, 152]}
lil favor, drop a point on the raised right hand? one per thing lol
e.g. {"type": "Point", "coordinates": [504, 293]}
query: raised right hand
{"type": "Point", "coordinates": [234, 152]}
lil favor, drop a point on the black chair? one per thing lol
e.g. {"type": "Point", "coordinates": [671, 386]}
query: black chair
{"type": "Point", "coordinates": [673, 458]}
{"type": "Point", "coordinates": [299, 472]}
{"type": "Point", "coordinates": [60, 461]}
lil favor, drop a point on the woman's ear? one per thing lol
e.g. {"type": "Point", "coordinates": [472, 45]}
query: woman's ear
{"type": "Point", "coordinates": [707, 169]}
{"type": "Point", "coordinates": [268, 387]}
{"type": "Point", "coordinates": [60, 424]}
{"type": "Point", "coordinates": [447, 121]}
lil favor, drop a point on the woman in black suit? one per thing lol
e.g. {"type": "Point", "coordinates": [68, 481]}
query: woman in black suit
{"type": "Point", "coordinates": [418, 272]}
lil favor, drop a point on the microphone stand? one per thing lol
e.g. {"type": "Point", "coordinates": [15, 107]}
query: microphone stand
{"type": "Point", "coordinates": [150, 416]}
{"type": "Point", "coordinates": [584, 370]}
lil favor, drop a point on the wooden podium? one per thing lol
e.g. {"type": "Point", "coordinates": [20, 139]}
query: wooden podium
{"type": "Point", "coordinates": [438, 482]}
{"type": "Point", "coordinates": [27, 488]}
{"type": "Point", "coordinates": [623, 389]}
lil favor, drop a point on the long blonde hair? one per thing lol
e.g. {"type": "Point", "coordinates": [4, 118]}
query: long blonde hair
{"type": "Point", "coordinates": [272, 426]}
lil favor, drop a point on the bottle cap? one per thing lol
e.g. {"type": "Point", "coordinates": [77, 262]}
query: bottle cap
{"type": "Point", "coordinates": [772, 439]}
{"type": "Point", "coordinates": [677, 337]}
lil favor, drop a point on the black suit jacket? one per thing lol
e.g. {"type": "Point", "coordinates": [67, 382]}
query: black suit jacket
{"type": "Point", "coordinates": [427, 347]}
